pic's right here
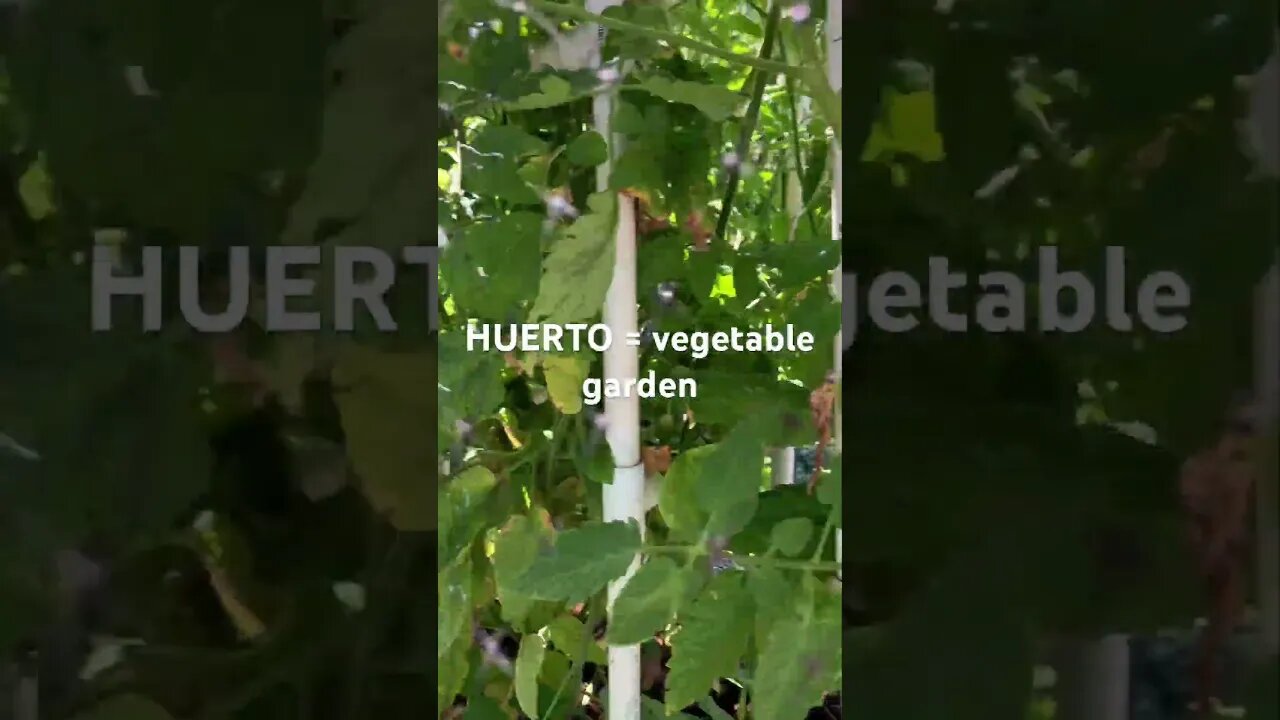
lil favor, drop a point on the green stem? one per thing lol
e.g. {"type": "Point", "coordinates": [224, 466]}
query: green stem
{"type": "Point", "coordinates": [576, 13]}
{"type": "Point", "coordinates": [749, 121]}
{"type": "Point", "coordinates": [575, 666]}
{"type": "Point", "coordinates": [793, 118]}
{"type": "Point", "coordinates": [826, 533]}
{"type": "Point", "coordinates": [744, 560]}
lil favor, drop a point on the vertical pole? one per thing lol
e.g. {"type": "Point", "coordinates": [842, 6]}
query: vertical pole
{"type": "Point", "coordinates": [835, 76]}
{"type": "Point", "coordinates": [624, 498]}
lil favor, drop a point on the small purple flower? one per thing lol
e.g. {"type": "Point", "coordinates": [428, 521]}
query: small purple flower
{"type": "Point", "coordinates": [798, 12]}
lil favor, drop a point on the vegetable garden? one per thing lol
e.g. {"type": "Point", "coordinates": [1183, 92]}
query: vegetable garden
{"type": "Point", "coordinates": [239, 525]}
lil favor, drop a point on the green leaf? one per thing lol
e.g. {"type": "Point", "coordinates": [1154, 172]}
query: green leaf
{"type": "Point", "coordinates": [582, 561]}
{"type": "Point", "coordinates": [829, 489]}
{"type": "Point", "coordinates": [533, 648]}
{"type": "Point", "coordinates": [493, 266]}
{"type": "Point", "coordinates": [570, 637]}
{"type": "Point", "coordinates": [126, 707]}
{"type": "Point", "coordinates": [729, 483]}
{"type": "Point", "coordinates": [651, 709]}
{"type": "Point", "coordinates": [35, 187]}
{"type": "Point", "coordinates": [459, 518]}
{"type": "Point", "coordinates": [711, 640]}
{"type": "Point", "coordinates": [790, 536]}
{"type": "Point", "coordinates": [565, 374]}
{"type": "Point", "coordinates": [802, 657]}
{"type": "Point", "coordinates": [496, 175]}
{"type": "Point", "coordinates": [514, 549]}
{"type": "Point", "coordinates": [677, 502]}
{"type": "Point", "coordinates": [577, 273]}
{"type": "Point", "coordinates": [453, 585]}
{"type": "Point", "coordinates": [599, 466]}
{"type": "Point", "coordinates": [648, 602]}
{"type": "Point", "coordinates": [509, 141]}
{"type": "Point", "coordinates": [452, 672]}
{"type": "Point", "coordinates": [553, 91]}
{"type": "Point", "coordinates": [715, 101]}
{"type": "Point", "coordinates": [588, 149]}
{"type": "Point", "coordinates": [469, 386]}
{"type": "Point", "coordinates": [771, 590]}
{"type": "Point", "coordinates": [387, 408]}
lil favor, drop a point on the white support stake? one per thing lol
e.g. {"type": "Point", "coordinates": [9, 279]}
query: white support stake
{"type": "Point", "coordinates": [835, 76]}
{"type": "Point", "coordinates": [624, 498]}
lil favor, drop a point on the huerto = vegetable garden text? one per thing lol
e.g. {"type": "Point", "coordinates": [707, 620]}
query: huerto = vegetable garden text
{"type": "Point", "coordinates": [577, 337]}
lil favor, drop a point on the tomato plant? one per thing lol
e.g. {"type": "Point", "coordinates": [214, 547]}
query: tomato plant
{"type": "Point", "coordinates": [736, 605]}
{"type": "Point", "coordinates": [240, 524]}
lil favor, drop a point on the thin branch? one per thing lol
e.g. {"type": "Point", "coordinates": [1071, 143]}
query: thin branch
{"type": "Point", "coordinates": [793, 117]}
{"type": "Point", "coordinates": [749, 121]}
{"type": "Point", "coordinates": [744, 560]}
{"type": "Point", "coordinates": [576, 13]}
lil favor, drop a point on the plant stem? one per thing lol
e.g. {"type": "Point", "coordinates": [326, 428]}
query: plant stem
{"type": "Point", "coordinates": [576, 13]}
{"type": "Point", "coordinates": [745, 560]}
{"type": "Point", "coordinates": [826, 533]}
{"type": "Point", "coordinates": [749, 121]}
{"type": "Point", "coordinates": [793, 118]}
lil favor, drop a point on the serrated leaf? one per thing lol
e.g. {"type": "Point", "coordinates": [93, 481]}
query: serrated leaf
{"type": "Point", "coordinates": [496, 175]}
{"type": "Point", "coordinates": [729, 482]}
{"type": "Point", "coordinates": [715, 101]}
{"type": "Point", "coordinates": [711, 640]}
{"type": "Point", "coordinates": [533, 648]}
{"type": "Point", "coordinates": [453, 586]}
{"type": "Point", "coordinates": [469, 386]}
{"type": "Point", "coordinates": [126, 707]}
{"type": "Point", "coordinates": [802, 655]}
{"type": "Point", "coordinates": [789, 537]}
{"type": "Point", "coordinates": [577, 272]}
{"type": "Point", "coordinates": [676, 500]}
{"type": "Point", "coordinates": [581, 562]}
{"type": "Point", "coordinates": [514, 549]}
{"type": "Point", "coordinates": [452, 672]}
{"type": "Point", "coordinates": [648, 602]}
{"type": "Point", "coordinates": [459, 519]}
{"type": "Point", "coordinates": [771, 592]}
{"type": "Point", "coordinates": [565, 374]}
{"type": "Point", "coordinates": [492, 268]}
{"type": "Point", "coordinates": [570, 636]}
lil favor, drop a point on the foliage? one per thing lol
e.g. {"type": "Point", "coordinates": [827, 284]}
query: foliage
{"type": "Point", "coordinates": [996, 496]}
{"type": "Point", "coordinates": [518, 170]}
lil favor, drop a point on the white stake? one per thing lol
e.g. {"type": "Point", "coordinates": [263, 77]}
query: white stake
{"type": "Point", "coordinates": [624, 499]}
{"type": "Point", "coordinates": [835, 76]}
